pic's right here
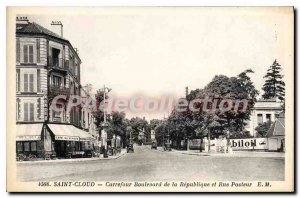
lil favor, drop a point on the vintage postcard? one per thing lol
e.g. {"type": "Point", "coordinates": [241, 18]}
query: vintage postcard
{"type": "Point", "coordinates": [150, 99]}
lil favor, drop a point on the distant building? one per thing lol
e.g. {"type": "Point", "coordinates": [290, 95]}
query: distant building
{"type": "Point", "coordinates": [276, 134]}
{"type": "Point", "coordinates": [263, 111]}
{"type": "Point", "coordinates": [152, 134]}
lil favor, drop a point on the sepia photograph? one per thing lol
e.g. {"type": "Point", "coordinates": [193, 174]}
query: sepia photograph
{"type": "Point", "coordinates": [150, 99]}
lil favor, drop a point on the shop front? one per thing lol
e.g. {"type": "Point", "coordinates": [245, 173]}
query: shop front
{"type": "Point", "coordinates": [28, 140]}
{"type": "Point", "coordinates": [70, 141]}
{"type": "Point", "coordinates": [52, 140]}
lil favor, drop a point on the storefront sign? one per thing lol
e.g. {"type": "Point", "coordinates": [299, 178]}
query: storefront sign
{"type": "Point", "coordinates": [251, 143]}
{"type": "Point", "coordinates": [66, 138]}
{"type": "Point", "coordinates": [29, 138]}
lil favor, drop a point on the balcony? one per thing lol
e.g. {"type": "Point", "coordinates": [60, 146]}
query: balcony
{"type": "Point", "coordinates": [57, 64]}
{"type": "Point", "coordinates": [59, 90]}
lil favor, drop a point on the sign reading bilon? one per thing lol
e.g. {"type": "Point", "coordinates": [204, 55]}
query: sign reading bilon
{"type": "Point", "coordinates": [253, 144]}
{"type": "Point", "coordinates": [184, 99]}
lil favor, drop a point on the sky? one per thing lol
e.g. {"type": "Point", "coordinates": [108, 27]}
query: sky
{"type": "Point", "coordinates": [160, 51]}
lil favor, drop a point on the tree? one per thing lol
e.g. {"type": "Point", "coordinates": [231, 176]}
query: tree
{"type": "Point", "coordinates": [262, 129]}
{"type": "Point", "coordinates": [117, 125]}
{"type": "Point", "coordinates": [274, 85]}
{"type": "Point", "coordinates": [138, 124]}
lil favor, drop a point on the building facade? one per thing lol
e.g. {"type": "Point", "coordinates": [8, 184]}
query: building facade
{"type": "Point", "coordinates": [47, 65]}
{"type": "Point", "coordinates": [263, 111]}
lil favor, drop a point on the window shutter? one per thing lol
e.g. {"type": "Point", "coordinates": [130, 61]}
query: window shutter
{"type": "Point", "coordinates": [25, 53]}
{"type": "Point", "coordinates": [18, 108]}
{"type": "Point", "coordinates": [18, 79]}
{"type": "Point", "coordinates": [39, 106]}
{"type": "Point", "coordinates": [31, 82]}
{"type": "Point", "coordinates": [31, 112]}
{"type": "Point", "coordinates": [18, 49]}
{"type": "Point", "coordinates": [25, 111]}
{"type": "Point", "coordinates": [38, 50]}
{"type": "Point", "coordinates": [25, 82]}
{"type": "Point", "coordinates": [30, 54]}
{"type": "Point", "coordinates": [38, 81]}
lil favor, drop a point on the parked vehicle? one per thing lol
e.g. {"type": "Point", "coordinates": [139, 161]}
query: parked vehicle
{"type": "Point", "coordinates": [88, 153]}
{"type": "Point", "coordinates": [154, 145]}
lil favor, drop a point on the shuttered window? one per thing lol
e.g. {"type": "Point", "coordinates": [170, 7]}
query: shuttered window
{"type": "Point", "coordinates": [28, 111]}
{"type": "Point", "coordinates": [18, 49]}
{"type": "Point", "coordinates": [28, 83]}
{"type": "Point", "coordinates": [28, 53]}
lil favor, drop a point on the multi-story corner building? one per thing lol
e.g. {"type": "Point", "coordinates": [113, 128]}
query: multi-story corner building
{"type": "Point", "coordinates": [47, 65]}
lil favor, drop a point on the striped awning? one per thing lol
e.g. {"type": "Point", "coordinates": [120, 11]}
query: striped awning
{"type": "Point", "coordinates": [69, 133]}
{"type": "Point", "coordinates": [29, 132]}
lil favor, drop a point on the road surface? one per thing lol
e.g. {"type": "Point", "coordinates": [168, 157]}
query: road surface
{"type": "Point", "coordinates": [154, 165]}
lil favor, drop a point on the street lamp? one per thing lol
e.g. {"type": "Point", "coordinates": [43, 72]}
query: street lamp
{"type": "Point", "coordinates": [168, 144]}
{"type": "Point", "coordinates": [104, 124]}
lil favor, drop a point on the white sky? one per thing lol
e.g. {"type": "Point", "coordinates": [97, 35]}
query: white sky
{"type": "Point", "coordinates": [162, 51]}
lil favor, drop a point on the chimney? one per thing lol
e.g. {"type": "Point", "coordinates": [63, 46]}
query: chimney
{"type": "Point", "coordinates": [22, 20]}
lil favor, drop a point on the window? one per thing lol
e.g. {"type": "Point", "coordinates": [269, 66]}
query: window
{"type": "Point", "coordinates": [76, 68]}
{"type": "Point", "coordinates": [28, 112]}
{"type": "Point", "coordinates": [19, 146]}
{"type": "Point", "coordinates": [28, 83]}
{"type": "Point", "coordinates": [57, 81]}
{"type": "Point", "coordinates": [259, 118]}
{"type": "Point", "coordinates": [33, 146]}
{"type": "Point", "coordinates": [28, 53]}
{"type": "Point", "coordinates": [268, 117]}
{"type": "Point", "coordinates": [26, 146]}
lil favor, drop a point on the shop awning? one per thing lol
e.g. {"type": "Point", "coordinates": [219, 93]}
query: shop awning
{"type": "Point", "coordinates": [69, 133]}
{"type": "Point", "coordinates": [29, 132]}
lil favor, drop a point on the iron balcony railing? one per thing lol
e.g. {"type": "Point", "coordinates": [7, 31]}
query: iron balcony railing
{"type": "Point", "coordinates": [55, 62]}
{"type": "Point", "coordinates": [59, 90]}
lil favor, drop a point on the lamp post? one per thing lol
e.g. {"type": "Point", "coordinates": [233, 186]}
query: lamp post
{"type": "Point", "coordinates": [130, 146]}
{"type": "Point", "coordinates": [104, 124]}
{"type": "Point", "coordinates": [168, 144]}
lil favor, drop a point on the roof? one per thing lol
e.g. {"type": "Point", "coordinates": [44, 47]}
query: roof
{"type": "Point", "coordinates": [34, 28]}
{"type": "Point", "coordinates": [278, 127]}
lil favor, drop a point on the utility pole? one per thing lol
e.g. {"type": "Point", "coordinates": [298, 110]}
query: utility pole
{"type": "Point", "coordinates": [104, 124]}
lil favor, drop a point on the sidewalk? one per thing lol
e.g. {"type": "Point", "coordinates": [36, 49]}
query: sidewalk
{"type": "Point", "coordinates": [233, 154]}
{"type": "Point", "coordinates": [123, 152]}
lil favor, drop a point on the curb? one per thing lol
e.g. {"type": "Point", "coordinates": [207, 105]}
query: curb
{"type": "Point", "coordinates": [220, 154]}
{"type": "Point", "coordinates": [72, 160]}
